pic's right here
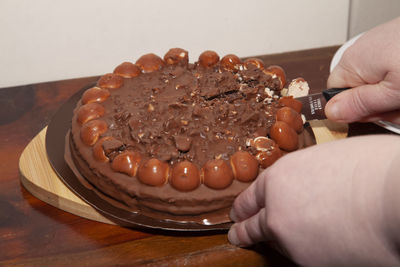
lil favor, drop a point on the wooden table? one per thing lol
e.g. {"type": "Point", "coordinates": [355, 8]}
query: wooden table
{"type": "Point", "coordinates": [35, 233]}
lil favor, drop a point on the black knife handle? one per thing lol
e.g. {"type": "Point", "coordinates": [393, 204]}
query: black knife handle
{"type": "Point", "coordinates": [329, 93]}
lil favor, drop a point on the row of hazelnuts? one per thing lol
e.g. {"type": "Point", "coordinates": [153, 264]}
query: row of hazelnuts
{"type": "Point", "coordinates": [185, 176]}
{"type": "Point", "coordinates": [151, 62]}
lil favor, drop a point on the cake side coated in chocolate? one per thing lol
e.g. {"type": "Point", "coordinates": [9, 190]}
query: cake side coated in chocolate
{"type": "Point", "coordinates": [183, 138]}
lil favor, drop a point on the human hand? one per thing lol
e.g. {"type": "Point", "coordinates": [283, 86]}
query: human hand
{"type": "Point", "coordinates": [326, 205]}
{"type": "Point", "coordinates": [371, 66]}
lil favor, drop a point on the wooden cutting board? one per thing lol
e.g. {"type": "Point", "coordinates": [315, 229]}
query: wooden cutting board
{"type": "Point", "coordinates": [39, 178]}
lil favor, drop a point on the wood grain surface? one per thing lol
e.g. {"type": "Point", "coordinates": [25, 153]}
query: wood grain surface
{"type": "Point", "coordinates": [33, 233]}
{"type": "Point", "coordinates": [39, 178]}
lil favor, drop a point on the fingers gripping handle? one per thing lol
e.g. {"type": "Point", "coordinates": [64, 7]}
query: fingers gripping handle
{"type": "Point", "coordinates": [329, 93]}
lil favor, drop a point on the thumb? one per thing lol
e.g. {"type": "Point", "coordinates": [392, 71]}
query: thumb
{"type": "Point", "coordinates": [363, 102]}
{"type": "Point", "coordinates": [250, 231]}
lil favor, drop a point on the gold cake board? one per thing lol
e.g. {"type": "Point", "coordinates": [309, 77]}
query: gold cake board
{"type": "Point", "coordinates": [39, 178]}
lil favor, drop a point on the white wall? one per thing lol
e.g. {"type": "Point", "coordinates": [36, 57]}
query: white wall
{"type": "Point", "coordinates": [366, 14]}
{"type": "Point", "coordinates": [44, 40]}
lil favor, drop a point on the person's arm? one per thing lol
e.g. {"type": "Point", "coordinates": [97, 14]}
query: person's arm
{"type": "Point", "coordinates": [371, 66]}
{"type": "Point", "coordinates": [334, 204]}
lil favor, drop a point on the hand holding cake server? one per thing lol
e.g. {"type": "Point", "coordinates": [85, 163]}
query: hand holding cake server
{"type": "Point", "coordinates": [337, 204]}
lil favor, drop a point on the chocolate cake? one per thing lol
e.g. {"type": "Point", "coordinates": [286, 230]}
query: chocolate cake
{"type": "Point", "coordinates": [181, 140]}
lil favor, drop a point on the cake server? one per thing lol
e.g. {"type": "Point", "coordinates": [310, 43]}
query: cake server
{"type": "Point", "coordinates": [314, 106]}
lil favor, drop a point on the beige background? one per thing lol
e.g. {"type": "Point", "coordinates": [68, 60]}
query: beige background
{"type": "Point", "coordinates": [45, 40]}
{"type": "Point", "coordinates": [365, 14]}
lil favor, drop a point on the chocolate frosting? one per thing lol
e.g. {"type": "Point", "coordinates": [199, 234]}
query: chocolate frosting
{"type": "Point", "coordinates": [180, 112]}
{"type": "Point", "coordinates": [164, 113]}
